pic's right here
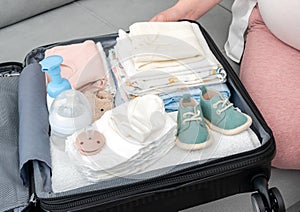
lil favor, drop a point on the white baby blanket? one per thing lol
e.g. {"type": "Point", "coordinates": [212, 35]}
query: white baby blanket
{"type": "Point", "coordinates": [126, 53]}
{"type": "Point", "coordinates": [164, 44]}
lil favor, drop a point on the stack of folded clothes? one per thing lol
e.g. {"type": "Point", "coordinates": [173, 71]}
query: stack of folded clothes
{"type": "Point", "coordinates": [158, 58]}
{"type": "Point", "coordinates": [137, 134]}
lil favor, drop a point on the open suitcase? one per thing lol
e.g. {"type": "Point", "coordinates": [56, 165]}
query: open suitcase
{"type": "Point", "coordinates": [183, 186]}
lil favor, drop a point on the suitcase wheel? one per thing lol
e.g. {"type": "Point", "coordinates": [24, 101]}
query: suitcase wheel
{"type": "Point", "coordinates": [277, 203]}
{"type": "Point", "coordinates": [257, 203]}
{"type": "Point", "coordinates": [265, 199]}
{"type": "Point", "coordinates": [276, 200]}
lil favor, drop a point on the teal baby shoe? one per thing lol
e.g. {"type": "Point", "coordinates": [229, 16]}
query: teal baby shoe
{"type": "Point", "coordinates": [220, 115]}
{"type": "Point", "coordinates": [192, 132]}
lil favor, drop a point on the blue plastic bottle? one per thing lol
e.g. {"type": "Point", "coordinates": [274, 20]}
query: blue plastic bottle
{"type": "Point", "coordinates": [57, 84]}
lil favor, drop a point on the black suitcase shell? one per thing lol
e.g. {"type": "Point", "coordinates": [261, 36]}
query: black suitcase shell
{"type": "Point", "coordinates": [184, 188]}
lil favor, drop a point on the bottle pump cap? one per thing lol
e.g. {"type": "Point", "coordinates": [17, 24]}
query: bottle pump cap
{"type": "Point", "coordinates": [57, 84]}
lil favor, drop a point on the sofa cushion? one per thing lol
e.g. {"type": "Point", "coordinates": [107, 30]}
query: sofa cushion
{"type": "Point", "coordinates": [226, 4]}
{"type": "Point", "coordinates": [17, 10]}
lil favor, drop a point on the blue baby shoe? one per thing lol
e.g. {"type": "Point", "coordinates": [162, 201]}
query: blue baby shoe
{"type": "Point", "coordinates": [220, 115]}
{"type": "Point", "coordinates": [192, 132]}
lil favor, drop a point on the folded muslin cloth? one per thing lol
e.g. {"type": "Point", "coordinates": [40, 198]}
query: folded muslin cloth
{"type": "Point", "coordinates": [141, 118]}
{"type": "Point", "coordinates": [164, 80]}
{"type": "Point", "coordinates": [82, 65]}
{"type": "Point", "coordinates": [125, 50]}
{"type": "Point", "coordinates": [164, 44]}
{"type": "Point", "coordinates": [148, 137]}
{"type": "Point", "coordinates": [120, 157]}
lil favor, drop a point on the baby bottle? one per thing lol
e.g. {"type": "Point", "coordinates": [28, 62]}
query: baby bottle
{"type": "Point", "coordinates": [69, 112]}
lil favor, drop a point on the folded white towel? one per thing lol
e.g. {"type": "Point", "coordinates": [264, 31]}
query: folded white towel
{"type": "Point", "coordinates": [164, 44]}
{"type": "Point", "coordinates": [66, 176]}
{"type": "Point", "coordinates": [125, 53]}
{"type": "Point", "coordinates": [221, 147]}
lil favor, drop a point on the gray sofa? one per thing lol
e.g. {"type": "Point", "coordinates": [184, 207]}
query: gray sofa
{"type": "Point", "coordinates": [26, 24]}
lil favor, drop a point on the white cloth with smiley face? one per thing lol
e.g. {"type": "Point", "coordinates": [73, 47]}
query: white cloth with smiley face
{"type": "Point", "coordinates": [137, 133]}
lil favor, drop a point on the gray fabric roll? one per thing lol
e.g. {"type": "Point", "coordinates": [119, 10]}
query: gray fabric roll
{"type": "Point", "coordinates": [33, 115]}
{"type": "Point", "coordinates": [12, 192]}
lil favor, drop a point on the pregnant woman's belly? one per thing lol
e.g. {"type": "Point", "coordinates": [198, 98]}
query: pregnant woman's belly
{"type": "Point", "coordinates": [282, 17]}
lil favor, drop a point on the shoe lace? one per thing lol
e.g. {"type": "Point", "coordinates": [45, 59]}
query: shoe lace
{"type": "Point", "coordinates": [194, 116]}
{"type": "Point", "coordinates": [224, 106]}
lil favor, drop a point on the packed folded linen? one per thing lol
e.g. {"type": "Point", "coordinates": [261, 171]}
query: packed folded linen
{"type": "Point", "coordinates": [156, 44]}
{"type": "Point", "coordinates": [128, 49]}
{"type": "Point", "coordinates": [134, 139]}
{"type": "Point", "coordinates": [165, 79]}
{"type": "Point", "coordinates": [144, 66]}
{"type": "Point", "coordinates": [124, 50]}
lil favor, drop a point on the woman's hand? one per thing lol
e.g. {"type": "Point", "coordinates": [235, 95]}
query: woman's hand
{"type": "Point", "coordinates": [185, 9]}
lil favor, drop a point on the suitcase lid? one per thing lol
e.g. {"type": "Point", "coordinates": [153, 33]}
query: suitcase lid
{"type": "Point", "coordinates": [13, 192]}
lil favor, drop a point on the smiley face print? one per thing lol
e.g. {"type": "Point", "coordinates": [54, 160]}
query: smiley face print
{"type": "Point", "coordinates": [90, 142]}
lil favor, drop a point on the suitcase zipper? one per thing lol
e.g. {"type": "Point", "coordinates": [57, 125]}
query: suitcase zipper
{"type": "Point", "coordinates": [10, 69]}
{"type": "Point", "coordinates": [31, 204]}
{"type": "Point", "coordinates": [161, 183]}
{"type": "Point", "coordinates": [9, 74]}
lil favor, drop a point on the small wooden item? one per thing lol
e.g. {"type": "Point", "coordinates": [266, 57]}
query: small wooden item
{"type": "Point", "coordinates": [90, 142]}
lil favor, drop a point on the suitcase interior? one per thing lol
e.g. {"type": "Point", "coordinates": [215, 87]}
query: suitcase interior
{"type": "Point", "coordinates": [184, 185]}
{"type": "Point", "coordinates": [13, 193]}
